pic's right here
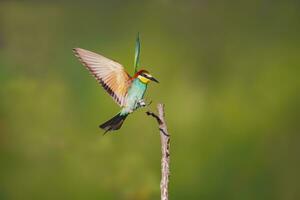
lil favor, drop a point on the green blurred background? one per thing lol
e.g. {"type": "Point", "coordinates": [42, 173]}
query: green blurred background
{"type": "Point", "coordinates": [229, 74]}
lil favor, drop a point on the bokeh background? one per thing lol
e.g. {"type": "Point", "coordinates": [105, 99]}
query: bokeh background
{"type": "Point", "coordinates": [229, 73]}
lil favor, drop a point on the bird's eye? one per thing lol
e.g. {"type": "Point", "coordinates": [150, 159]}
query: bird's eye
{"type": "Point", "coordinates": [146, 76]}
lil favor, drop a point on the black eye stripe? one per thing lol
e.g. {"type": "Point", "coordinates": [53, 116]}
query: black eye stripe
{"type": "Point", "coordinates": [145, 75]}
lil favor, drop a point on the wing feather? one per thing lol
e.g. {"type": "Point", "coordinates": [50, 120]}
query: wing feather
{"type": "Point", "coordinates": [110, 74]}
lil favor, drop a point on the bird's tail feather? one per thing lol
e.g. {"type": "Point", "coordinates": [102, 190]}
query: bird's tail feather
{"type": "Point", "coordinates": [114, 123]}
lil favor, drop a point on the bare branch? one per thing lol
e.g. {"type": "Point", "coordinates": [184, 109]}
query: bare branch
{"type": "Point", "coordinates": [165, 150]}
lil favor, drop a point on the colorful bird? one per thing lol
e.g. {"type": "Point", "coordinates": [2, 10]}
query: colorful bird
{"type": "Point", "coordinates": [127, 91]}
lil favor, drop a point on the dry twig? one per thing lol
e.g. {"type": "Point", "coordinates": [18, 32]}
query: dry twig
{"type": "Point", "coordinates": [165, 150]}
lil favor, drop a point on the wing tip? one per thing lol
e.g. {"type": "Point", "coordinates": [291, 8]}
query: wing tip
{"type": "Point", "coordinates": [75, 50]}
{"type": "Point", "coordinates": [77, 54]}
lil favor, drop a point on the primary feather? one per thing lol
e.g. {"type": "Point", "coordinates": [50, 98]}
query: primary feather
{"type": "Point", "coordinates": [110, 74]}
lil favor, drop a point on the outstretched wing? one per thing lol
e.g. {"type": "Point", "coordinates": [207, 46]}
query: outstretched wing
{"type": "Point", "coordinates": [110, 74]}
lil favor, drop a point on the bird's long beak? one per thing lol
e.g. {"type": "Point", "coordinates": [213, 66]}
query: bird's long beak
{"type": "Point", "coordinates": [153, 79]}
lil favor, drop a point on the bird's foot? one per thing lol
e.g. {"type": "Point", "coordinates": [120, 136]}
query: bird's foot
{"type": "Point", "coordinates": [141, 103]}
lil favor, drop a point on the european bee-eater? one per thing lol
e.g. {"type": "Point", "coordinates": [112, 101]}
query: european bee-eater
{"type": "Point", "coordinates": [127, 91]}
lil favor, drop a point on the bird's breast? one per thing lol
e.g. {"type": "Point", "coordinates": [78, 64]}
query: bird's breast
{"type": "Point", "coordinates": [135, 93]}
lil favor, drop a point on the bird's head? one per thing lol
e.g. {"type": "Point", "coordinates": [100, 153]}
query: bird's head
{"type": "Point", "coordinates": [144, 76]}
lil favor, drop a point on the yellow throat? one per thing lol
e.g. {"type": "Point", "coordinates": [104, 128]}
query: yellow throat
{"type": "Point", "coordinates": [143, 79]}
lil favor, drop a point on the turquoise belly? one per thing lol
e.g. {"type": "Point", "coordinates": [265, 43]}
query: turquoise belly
{"type": "Point", "coordinates": [135, 93]}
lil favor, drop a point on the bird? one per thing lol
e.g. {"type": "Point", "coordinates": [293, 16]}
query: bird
{"type": "Point", "coordinates": [127, 91]}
